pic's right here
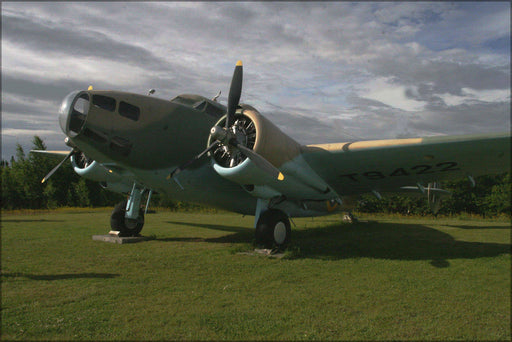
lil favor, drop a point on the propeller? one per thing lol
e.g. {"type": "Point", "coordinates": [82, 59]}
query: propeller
{"type": "Point", "coordinates": [191, 161]}
{"type": "Point", "coordinates": [58, 166]}
{"type": "Point", "coordinates": [224, 135]}
{"type": "Point", "coordinates": [261, 162]}
{"type": "Point", "coordinates": [235, 91]}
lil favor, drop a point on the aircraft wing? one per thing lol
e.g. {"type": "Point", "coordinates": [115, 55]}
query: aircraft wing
{"type": "Point", "coordinates": [388, 165]}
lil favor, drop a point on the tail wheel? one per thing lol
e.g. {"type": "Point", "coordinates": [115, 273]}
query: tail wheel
{"type": "Point", "coordinates": [273, 229]}
{"type": "Point", "coordinates": [126, 227]}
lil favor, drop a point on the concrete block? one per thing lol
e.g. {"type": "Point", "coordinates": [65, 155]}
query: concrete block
{"type": "Point", "coordinates": [112, 238]}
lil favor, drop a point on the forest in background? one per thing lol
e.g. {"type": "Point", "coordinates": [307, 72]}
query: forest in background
{"type": "Point", "coordinates": [22, 189]}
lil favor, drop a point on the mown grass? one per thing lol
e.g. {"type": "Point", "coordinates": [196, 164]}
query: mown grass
{"type": "Point", "coordinates": [389, 278]}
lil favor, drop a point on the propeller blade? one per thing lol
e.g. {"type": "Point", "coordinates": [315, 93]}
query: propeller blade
{"type": "Point", "coordinates": [191, 161]}
{"type": "Point", "coordinates": [58, 166]}
{"type": "Point", "coordinates": [235, 91]}
{"type": "Point", "coordinates": [261, 162]}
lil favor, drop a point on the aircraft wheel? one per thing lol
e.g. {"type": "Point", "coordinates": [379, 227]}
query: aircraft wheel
{"type": "Point", "coordinates": [273, 229]}
{"type": "Point", "coordinates": [126, 227]}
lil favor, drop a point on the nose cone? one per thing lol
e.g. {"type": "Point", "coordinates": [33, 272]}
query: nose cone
{"type": "Point", "coordinates": [73, 112]}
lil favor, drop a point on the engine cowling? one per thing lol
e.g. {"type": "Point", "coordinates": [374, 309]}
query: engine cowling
{"type": "Point", "coordinates": [91, 169]}
{"type": "Point", "coordinates": [257, 133]}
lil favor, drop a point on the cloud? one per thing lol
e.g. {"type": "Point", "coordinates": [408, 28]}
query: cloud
{"type": "Point", "coordinates": [471, 95]}
{"type": "Point", "coordinates": [384, 91]}
{"type": "Point", "coordinates": [322, 71]}
{"type": "Point", "coordinates": [19, 132]}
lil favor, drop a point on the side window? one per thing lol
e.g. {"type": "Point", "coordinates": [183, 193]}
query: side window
{"type": "Point", "coordinates": [129, 111]}
{"type": "Point", "coordinates": [104, 102]}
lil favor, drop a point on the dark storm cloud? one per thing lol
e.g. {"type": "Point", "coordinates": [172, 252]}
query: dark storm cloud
{"type": "Point", "coordinates": [467, 117]}
{"type": "Point", "coordinates": [40, 88]}
{"type": "Point", "coordinates": [446, 77]}
{"type": "Point", "coordinates": [73, 41]}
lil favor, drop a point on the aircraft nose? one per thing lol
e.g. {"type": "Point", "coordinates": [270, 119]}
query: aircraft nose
{"type": "Point", "coordinates": [73, 112]}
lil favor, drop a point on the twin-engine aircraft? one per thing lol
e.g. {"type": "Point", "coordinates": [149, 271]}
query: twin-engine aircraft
{"type": "Point", "coordinates": [195, 149]}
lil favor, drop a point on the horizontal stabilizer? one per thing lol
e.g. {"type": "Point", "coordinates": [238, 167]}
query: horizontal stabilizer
{"type": "Point", "coordinates": [417, 190]}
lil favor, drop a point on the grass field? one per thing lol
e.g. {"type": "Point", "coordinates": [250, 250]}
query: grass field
{"type": "Point", "coordinates": [388, 278]}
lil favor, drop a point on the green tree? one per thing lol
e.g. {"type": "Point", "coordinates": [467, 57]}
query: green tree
{"type": "Point", "coordinates": [82, 193]}
{"type": "Point", "coordinates": [21, 188]}
{"type": "Point", "coordinates": [498, 201]}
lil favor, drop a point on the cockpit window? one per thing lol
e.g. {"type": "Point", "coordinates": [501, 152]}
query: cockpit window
{"type": "Point", "coordinates": [210, 108]}
{"type": "Point", "coordinates": [187, 99]}
{"type": "Point", "coordinates": [82, 104]}
{"type": "Point", "coordinates": [129, 111]}
{"type": "Point", "coordinates": [79, 113]}
{"type": "Point", "coordinates": [200, 105]}
{"type": "Point", "coordinates": [104, 102]}
{"type": "Point", "coordinates": [214, 110]}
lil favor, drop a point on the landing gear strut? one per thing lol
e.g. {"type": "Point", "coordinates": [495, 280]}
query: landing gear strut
{"type": "Point", "coordinates": [273, 229]}
{"type": "Point", "coordinates": [128, 217]}
{"type": "Point", "coordinates": [126, 226]}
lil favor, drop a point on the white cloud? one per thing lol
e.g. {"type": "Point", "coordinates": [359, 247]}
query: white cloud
{"type": "Point", "coordinates": [20, 62]}
{"type": "Point", "coordinates": [384, 91]}
{"type": "Point", "coordinates": [488, 95]}
{"type": "Point", "coordinates": [471, 95]}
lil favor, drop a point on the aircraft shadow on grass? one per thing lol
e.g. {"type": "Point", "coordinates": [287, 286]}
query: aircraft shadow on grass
{"type": "Point", "coordinates": [61, 276]}
{"type": "Point", "coordinates": [241, 234]}
{"type": "Point", "coordinates": [476, 227]}
{"type": "Point", "coordinates": [30, 220]}
{"type": "Point", "coordinates": [394, 241]}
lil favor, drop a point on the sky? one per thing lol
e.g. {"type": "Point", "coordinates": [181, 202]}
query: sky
{"type": "Point", "coordinates": [321, 71]}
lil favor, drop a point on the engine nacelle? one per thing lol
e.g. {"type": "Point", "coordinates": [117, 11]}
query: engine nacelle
{"type": "Point", "coordinates": [263, 137]}
{"type": "Point", "coordinates": [90, 169]}
{"type": "Point", "coordinates": [109, 179]}
{"type": "Point", "coordinates": [259, 134]}
{"type": "Point", "coordinates": [271, 143]}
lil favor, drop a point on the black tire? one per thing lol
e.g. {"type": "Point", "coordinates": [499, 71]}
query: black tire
{"type": "Point", "coordinates": [273, 229]}
{"type": "Point", "coordinates": [126, 227]}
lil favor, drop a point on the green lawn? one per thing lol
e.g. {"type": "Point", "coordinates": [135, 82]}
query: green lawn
{"type": "Point", "coordinates": [388, 278]}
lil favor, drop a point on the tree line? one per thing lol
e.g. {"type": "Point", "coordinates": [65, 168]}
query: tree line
{"type": "Point", "coordinates": [490, 197]}
{"type": "Point", "coordinates": [22, 189]}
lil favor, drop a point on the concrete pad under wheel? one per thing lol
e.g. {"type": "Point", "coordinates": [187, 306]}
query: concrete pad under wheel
{"type": "Point", "coordinates": [266, 252]}
{"type": "Point", "coordinates": [119, 239]}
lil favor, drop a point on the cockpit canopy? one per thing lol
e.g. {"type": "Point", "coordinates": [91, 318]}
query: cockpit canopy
{"type": "Point", "coordinates": [202, 104]}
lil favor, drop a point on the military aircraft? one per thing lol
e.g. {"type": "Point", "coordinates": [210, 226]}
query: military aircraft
{"type": "Point", "coordinates": [195, 149]}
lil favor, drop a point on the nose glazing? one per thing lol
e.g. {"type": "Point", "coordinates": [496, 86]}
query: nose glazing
{"type": "Point", "coordinates": [73, 113]}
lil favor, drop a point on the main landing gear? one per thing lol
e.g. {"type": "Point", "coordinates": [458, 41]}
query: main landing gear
{"type": "Point", "coordinates": [128, 217]}
{"type": "Point", "coordinates": [126, 226]}
{"type": "Point", "coordinates": [273, 229]}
